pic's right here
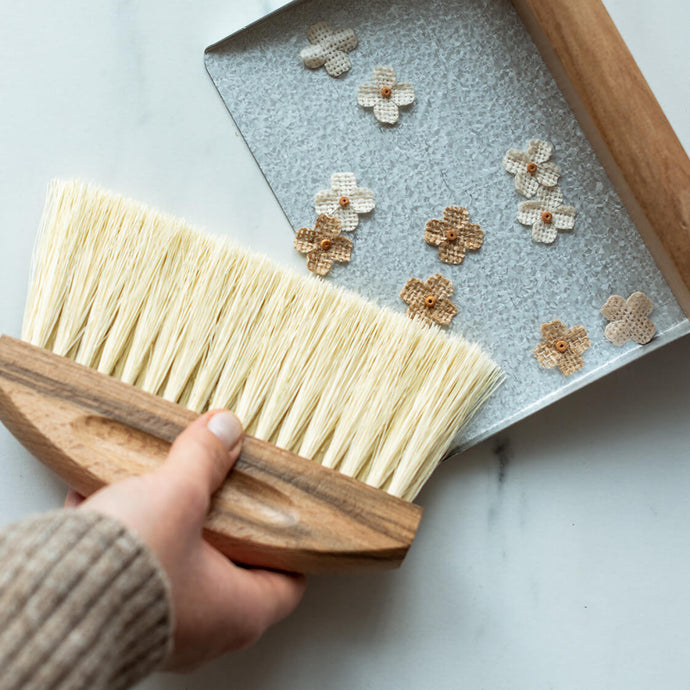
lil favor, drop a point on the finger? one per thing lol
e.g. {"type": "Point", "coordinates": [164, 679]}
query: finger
{"type": "Point", "coordinates": [205, 451]}
{"type": "Point", "coordinates": [73, 499]}
{"type": "Point", "coordinates": [278, 594]}
{"type": "Point", "coordinates": [227, 608]}
{"type": "Point", "coordinates": [266, 597]}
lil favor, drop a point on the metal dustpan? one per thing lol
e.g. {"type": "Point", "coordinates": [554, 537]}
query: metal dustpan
{"type": "Point", "coordinates": [481, 88]}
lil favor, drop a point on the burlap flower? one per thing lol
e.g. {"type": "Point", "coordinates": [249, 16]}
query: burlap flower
{"type": "Point", "coordinates": [547, 215]}
{"type": "Point", "coordinates": [532, 169]}
{"type": "Point", "coordinates": [562, 347]}
{"type": "Point", "coordinates": [323, 245]}
{"type": "Point", "coordinates": [385, 95]}
{"type": "Point", "coordinates": [629, 319]}
{"type": "Point", "coordinates": [329, 48]}
{"type": "Point", "coordinates": [453, 235]}
{"type": "Point", "coordinates": [345, 200]}
{"type": "Point", "coordinates": [430, 301]}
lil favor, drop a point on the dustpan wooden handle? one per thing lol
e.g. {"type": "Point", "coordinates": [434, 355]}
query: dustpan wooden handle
{"type": "Point", "coordinates": [275, 509]}
{"type": "Point", "coordinates": [613, 92]}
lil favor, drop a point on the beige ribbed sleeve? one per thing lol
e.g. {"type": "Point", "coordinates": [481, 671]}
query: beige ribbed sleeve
{"type": "Point", "coordinates": [83, 604]}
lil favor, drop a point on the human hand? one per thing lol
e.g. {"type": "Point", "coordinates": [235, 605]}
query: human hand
{"type": "Point", "coordinates": [217, 606]}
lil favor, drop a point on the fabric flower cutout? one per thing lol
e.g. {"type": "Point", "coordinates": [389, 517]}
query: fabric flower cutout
{"type": "Point", "coordinates": [329, 48]}
{"type": "Point", "coordinates": [345, 200]}
{"type": "Point", "coordinates": [532, 169]}
{"type": "Point", "coordinates": [562, 347]}
{"type": "Point", "coordinates": [629, 319]}
{"type": "Point", "coordinates": [385, 95]}
{"type": "Point", "coordinates": [547, 215]}
{"type": "Point", "coordinates": [430, 301]}
{"type": "Point", "coordinates": [453, 235]}
{"type": "Point", "coordinates": [323, 245]}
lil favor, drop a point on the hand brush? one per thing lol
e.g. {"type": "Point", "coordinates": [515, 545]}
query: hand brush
{"type": "Point", "coordinates": [135, 323]}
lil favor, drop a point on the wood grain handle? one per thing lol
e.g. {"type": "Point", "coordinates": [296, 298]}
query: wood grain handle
{"type": "Point", "coordinates": [599, 67]}
{"type": "Point", "coordinates": [275, 510]}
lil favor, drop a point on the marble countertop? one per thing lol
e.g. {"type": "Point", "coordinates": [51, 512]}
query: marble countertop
{"type": "Point", "coordinates": [556, 556]}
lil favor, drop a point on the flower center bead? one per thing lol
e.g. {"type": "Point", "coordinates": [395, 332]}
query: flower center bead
{"type": "Point", "coordinates": [430, 301]}
{"type": "Point", "coordinates": [326, 244]}
{"type": "Point", "coordinates": [451, 235]}
{"type": "Point", "coordinates": [561, 345]}
{"type": "Point", "coordinates": [531, 168]}
{"type": "Point", "coordinates": [547, 216]}
{"type": "Point", "coordinates": [386, 91]}
{"type": "Point", "coordinates": [344, 201]}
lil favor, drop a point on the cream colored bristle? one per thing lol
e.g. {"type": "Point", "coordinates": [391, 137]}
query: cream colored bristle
{"type": "Point", "coordinates": [199, 321]}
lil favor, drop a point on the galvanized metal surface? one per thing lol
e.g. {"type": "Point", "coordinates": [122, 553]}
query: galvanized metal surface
{"type": "Point", "coordinates": [481, 88]}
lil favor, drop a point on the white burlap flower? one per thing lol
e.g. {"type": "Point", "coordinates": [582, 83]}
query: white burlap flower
{"type": "Point", "coordinates": [344, 200]}
{"type": "Point", "coordinates": [532, 169]}
{"type": "Point", "coordinates": [385, 95]}
{"type": "Point", "coordinates": [629, 319]}
{"type": "Point", "coordinates": [547, 215]}
{"type": "Point", "coordinates": [329, 48]}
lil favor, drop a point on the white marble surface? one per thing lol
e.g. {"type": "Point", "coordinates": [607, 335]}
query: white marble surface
{"type": "Point", "coordinates": [556, 557]}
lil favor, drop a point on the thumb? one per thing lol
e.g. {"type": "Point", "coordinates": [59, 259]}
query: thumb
{"type": "Point", "coordinates": [164, 504]}
{"type": "Point", "coordinates": [204, 453]}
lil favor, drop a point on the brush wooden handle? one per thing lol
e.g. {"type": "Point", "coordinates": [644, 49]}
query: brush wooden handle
{"type": "Point", "coordinates": [275, 509]}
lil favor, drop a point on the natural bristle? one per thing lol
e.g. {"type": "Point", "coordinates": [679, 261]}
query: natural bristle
{"type": "Point", "coordinates": [199, 321]}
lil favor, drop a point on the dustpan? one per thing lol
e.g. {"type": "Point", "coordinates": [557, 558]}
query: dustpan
{"type": "Point", "coordinates": [481, 88]}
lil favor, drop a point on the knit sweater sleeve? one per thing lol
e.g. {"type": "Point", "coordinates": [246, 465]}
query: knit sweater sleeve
{"type": "Point", "coordinates": [83, 604]}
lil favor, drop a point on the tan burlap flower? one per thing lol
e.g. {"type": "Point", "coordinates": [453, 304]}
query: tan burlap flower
{"type": "Point", "coordinates": [531, 168]}
{"type": "Point", "coordinates": [430, 301]}
{"type": "Point", "coordinates": [547, 215]}
{"type": "Point", "coordinates": [329, 49]}
{"type": "Point", "coordinates": [562, 347]}
{"type": "Point", "coordinates": [453, 235]}
{"type": "Point", "coordinates": [323, 245]}
{"type": "Point", "coordinates": [385, 95]}
{"type": "Point", "coordinates": [629, 319]}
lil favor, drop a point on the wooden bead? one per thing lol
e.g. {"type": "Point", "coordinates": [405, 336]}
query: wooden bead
{"type": "Point", "coordinates": [451, 235]}
{"type": "Point", "coordinates": [386, 91]}
{"type": "Point", "coordinates": [326, 244]}
{"type": "Point", "coordinates": [344, 201]}
{"type": "Point", "coordinates": [561, 345]}
{"type": "Point", "coordinates": [430, 301]}
{"type": "Point", "coordinates": [547, 216]}
{"type": "Point", "coordinates": [531, 168]}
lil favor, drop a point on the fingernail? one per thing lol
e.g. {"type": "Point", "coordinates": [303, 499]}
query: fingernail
{"type": "Point", "coordinates": [226, 427]}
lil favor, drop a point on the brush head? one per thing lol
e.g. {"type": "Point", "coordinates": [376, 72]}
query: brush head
{"type": "Point", "coordinates": [195, 319]}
